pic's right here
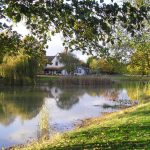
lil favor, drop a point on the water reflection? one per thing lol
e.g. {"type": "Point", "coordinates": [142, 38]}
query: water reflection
{"type": "Point", "coordinates": [23, 103]}
{"type": "Point", "coordinates": [43, 124]}
{"type": "Point", "coordinates": [28, 112]}
{"type": "Point", "coordinates": [140, 93]}
{"type": "Point", "coordinates": [28, 102]}
{"type": "Point", "coordinates": [66, 98]}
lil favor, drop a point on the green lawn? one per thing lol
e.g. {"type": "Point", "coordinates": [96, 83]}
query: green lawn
{"type": "Point", "coordinates": [129, 78]}
{"type": "Point", "coordinates": [123, 130]}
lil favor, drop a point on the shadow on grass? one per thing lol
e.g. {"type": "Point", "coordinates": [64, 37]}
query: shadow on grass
{"type": "Point", "coordinates": [132, 136]}
{"type": "Point", "coordinates": [141, 113]}
{"type": "Point", "coordinates": [115, 145]}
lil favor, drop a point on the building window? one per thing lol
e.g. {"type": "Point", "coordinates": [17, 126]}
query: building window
{"type": "Point", "coordinates": [56, 63]}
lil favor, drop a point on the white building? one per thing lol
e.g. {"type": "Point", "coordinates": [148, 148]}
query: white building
{"type": "Point", "coordinates": [55, 67]}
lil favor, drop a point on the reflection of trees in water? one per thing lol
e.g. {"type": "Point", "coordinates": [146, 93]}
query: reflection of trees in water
{"type": "Point", "coordinates": [135, 91]}
{"type": "Point", "coordinates": [68, 97]}
{"type": "Point", "coordinates": [111, 94]}
{"type": "Point", "coordinates": [5, 118]}
{"type": "Point", "coordinates": [139, 92]}
{"type": "Point", "coordinates": [43, 125]}
{"type": "Point", "coordinates": [19, 102]}
{"type": "Point", "coordinates": [67, 100]}
{"type": "Point", "coordinates": [27, 102]}
{"type": "Point", "coordinates": [107, 92]}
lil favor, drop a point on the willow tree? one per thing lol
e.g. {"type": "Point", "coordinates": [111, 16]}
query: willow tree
{"type": "Point", "coordinates": [22, 65]}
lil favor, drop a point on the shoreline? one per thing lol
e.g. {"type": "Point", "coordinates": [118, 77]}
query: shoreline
{"type": "Point", "coordinates": [86, 125]}
{"type": "Point", "coordinates": [89, 80]}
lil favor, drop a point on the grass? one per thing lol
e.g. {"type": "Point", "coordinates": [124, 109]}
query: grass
{"type": "Point", "coordinates": [123, 130]}
{"type": "Point", "coordinates": [46, 78]}
{"type": "Point", "coordinates": [129, 78]}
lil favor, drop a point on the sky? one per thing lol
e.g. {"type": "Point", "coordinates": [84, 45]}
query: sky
{"type": "Point", "coordinates": [55, 45]}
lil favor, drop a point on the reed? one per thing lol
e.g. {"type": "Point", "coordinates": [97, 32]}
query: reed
{"type": "Point", "coordinates": [83, 81]}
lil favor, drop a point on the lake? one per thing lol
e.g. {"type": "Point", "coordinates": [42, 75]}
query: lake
{"type": "Point", "coordinates": [28, 113]}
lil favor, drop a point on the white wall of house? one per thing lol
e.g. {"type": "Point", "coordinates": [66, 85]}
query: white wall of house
{"type": "Point", "coordinates": [64, 72]}
{"type": "Point", "coordinates": [55, 63]}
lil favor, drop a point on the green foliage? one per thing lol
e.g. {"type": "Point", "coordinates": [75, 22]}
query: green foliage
{"type": "Point", "coordinates": [140, 60]}
{"type": "Point", "coordinates": [9, 43]}
{"type": "Point", "coordinates": [70, 61]}
{"type": "Point", "coordinates": [84, 24]}
{"type": "Point", "coordinates": [89, 60]}
{"type": "Point", "coordinates": [23, 64]}
{"type": "Point", "coordinates": [107, 65]}
{"type": "Point", "coordinates": [17, 68]}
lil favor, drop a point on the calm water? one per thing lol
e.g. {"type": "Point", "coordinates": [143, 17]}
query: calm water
{"type": "Point", "coordinates": [29, 113]}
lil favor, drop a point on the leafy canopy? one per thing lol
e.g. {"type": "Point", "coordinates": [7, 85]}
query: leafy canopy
{"type": "Point", "coordinates": [70, 61]}
{"type": "Point", "coordinates": [22, 61]}
{"type": "Point", "coordinates": [140, 60]}
{"type": "Point", "coordinates": [85, 24]}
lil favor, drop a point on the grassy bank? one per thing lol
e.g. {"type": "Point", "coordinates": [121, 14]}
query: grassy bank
{"type": "Point", "coordinates": [129, 78]}
{"type": "Point", "coordinates": [126, 129]}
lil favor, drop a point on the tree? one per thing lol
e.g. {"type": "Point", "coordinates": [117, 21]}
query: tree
{"type": "Point", "coordinates": [94, 65]}
{"type": "Point", "coordinates": [140, 60]}
{"type": "Point", "coordinates": [9, 43]}
{"type": "Point", "coordinates": [70, 61]}
{"type": "Point", "coordinates": [89, 60]}
{"type": "Point", "coordinates": [23, 64]}
{"type": "Point", "coordinates": [107, 65]}
{"type": "Point", "coordinates": [126, 47]}
{"type": "Point", "coordinates": [84, 24]}
{"type": "Point", "coordinates": [104, 66]}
